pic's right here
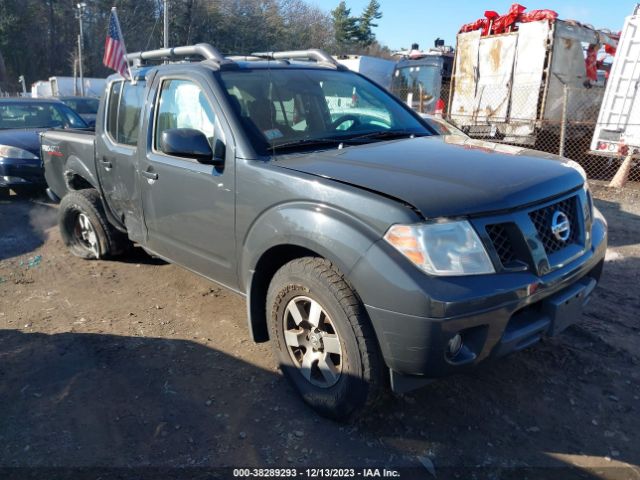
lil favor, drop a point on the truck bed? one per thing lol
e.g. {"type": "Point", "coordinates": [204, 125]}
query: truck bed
{"type": "Point", "coordinates": [65, 152]}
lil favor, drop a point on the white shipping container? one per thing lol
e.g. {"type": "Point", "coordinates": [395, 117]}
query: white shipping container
{"type": "Point", "coordinates": [511, 85]}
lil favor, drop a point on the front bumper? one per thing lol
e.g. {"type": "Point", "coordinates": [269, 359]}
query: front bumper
{"type": "Point", "coordinates": [494, 314]}
{"type": "Point", "coordinates": [16, 172]}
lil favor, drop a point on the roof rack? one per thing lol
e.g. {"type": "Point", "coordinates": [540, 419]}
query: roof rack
{"type": "Point", "coordinates": [320, 56]}
{"type": "Point", "coordinates": [203, 50]}
{"type": "Point", "coordinates": [209, 53]}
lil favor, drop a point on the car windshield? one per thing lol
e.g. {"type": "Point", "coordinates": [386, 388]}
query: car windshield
{"type": "Point", "coordinates": [83, 105]}
{"type": "Point", "coordinates": [296, 107]}
{"type": "Point", "coordinates": [38, 115]}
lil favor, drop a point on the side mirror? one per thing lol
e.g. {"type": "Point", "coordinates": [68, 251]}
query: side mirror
{"type": "Point", "coordinates": [188, 143]}
{"type": "Point", "coordinates": [219, 152]}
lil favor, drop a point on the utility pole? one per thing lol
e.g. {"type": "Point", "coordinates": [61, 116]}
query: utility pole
{"type": "Point", "coordinates": [24, 86]}
{"type": "Point", "coordinates": [166, 23]}
{"type": "Point", "coordinates": [79, 13]}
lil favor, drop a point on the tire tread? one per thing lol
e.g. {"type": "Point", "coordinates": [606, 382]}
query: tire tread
{"type": "Point", "coordinates": [115, 241]}
{"type": "Point", "coordinates": [358, 321]}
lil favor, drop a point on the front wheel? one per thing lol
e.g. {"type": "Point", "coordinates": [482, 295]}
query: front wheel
{"type": "Point", "coordinates": [84, 227]}
{"type": "Point", "coordinates": [323, 339]}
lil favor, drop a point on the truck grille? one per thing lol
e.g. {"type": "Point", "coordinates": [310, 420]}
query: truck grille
{"type": "Point", "coordinates": [542, 218]}
{"type": "Point", "coordinates": [501, 242]}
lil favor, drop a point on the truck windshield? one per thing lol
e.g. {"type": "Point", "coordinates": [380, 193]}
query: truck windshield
{"type": "Point", "coordinates": [290, 108]}
{"type": "Point", "coordinates": [417, 85]}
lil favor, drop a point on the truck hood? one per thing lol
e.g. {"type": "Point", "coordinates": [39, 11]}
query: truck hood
{"type": "Point", "coordinates": [443, 178]}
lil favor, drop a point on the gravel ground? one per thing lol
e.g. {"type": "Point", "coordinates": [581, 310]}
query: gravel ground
{"type": "Point", "coordinates": [138, 363]}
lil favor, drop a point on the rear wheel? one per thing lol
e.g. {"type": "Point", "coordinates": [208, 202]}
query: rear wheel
{"type": "Point", "coordinates": [323, 339]}
{"type": "Point", "coordinates": [4, 193]}
{"type": "Point", "coordinates": [84, 227]}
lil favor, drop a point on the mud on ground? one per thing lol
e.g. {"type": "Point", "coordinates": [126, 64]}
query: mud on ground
{"type": "Point", "coordinates": [139, 363]}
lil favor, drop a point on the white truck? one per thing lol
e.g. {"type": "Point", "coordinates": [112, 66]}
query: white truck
{"type": "Point", "coordinates": [41, 89]}
{"type": "Point", "coordinates": [618, 128]}
{"type": "Point", "coordinates": [67, 86]}
{"type": "Point", "coordinates": [511, 86]}
{"type": "Point", "coordinates": [419, 78]}
{"type": "Point", "coordinates": [422, 78]}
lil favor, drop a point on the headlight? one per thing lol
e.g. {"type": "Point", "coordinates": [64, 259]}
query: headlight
{"type": "Point", "coordinates": [14, 152]}
{"type": "Point", "coordinates": [447, 248]}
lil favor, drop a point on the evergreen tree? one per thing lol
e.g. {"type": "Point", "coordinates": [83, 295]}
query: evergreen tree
{"type": "Point", "coordinates": [345, 27]}
{"type": "Point", "coordinates": [366, 24]}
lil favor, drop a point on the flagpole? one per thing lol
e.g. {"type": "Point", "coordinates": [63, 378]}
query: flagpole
{"type": "Point", "coordinates": [124, 46]}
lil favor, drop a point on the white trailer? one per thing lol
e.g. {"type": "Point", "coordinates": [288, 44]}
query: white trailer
{"type": "Point", "coordinates": [618, 123]}
{"type": "Point", "coordinates": [511, 86]}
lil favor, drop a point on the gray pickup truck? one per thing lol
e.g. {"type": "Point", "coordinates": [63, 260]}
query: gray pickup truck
{"type": "Point", "coordinates": [371, 250]}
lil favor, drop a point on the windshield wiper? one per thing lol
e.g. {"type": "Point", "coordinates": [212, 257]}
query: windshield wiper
{"type": "Point", "coordinates": [387, 134]}
{"type": "Point", "coordinates": [307, 142]}
{"type": "Point", "coordinates": [346, 140]}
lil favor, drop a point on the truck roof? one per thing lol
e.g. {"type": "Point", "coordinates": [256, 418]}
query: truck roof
{"type": "Point", "coordinates": [140, 73]}
{"type": "Point", "coordinates": [293, 59]}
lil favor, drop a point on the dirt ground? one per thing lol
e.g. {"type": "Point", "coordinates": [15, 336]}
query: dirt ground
{"type": "Point", "coordinates": [140, 364]}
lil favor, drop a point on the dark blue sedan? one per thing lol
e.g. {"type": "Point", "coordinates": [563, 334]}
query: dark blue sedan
{"type": "Point", "coordinates": [21, 121]}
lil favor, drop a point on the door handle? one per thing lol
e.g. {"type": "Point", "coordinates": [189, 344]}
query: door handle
{"type": "Point", "coordinates": [106, 163]}
{"type": "Point", "coordinates": [150, 175]}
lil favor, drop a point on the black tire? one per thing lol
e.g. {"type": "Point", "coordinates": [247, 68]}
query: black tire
{"type": "Point", "coordinates": [4, 193]}
{"type": "Point", "coordinates": [360, 382]}
{"type": "Point", "coordinates": [109, 241]}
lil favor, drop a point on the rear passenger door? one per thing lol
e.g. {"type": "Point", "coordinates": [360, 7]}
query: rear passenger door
{"type": "Point", "coordinates": [189, 207]}
{"type": "Point", "coordinates": [116, 154]}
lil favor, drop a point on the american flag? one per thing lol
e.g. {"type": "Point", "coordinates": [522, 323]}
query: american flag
{"type": "Point", "coordinates": [114, 51]}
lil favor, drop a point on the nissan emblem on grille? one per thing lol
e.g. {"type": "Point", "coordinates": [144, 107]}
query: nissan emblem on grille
{"type": "Point", "coordinates": [560, 226]}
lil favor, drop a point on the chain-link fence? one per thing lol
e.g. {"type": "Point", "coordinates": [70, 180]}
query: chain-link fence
{"type": "Point", "coordinates": [549, 116]}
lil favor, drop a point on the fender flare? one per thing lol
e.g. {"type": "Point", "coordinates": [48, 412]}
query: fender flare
{"type": "Point", "coordinates": [75, 166]}
{"type": "Point", "coordinates": [289, 231]}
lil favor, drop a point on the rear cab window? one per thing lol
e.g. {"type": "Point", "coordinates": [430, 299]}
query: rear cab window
{"type": "Point", "coordinates": [124, 108]}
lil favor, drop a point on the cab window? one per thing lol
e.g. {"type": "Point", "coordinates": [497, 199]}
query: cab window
{"type": "Point", "coordinates": [112, 112]}
{"type": "Point", "coordinates": [183, 104]}
{"type": "Point", "coordinates": [123, 117]}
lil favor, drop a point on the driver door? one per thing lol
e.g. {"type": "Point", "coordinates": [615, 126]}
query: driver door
{"type": "Point", "coordinates": [189, 207]}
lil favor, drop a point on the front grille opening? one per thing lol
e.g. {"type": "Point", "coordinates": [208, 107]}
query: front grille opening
{"type": "Point", "coordinates": [526, 326]}
{"type": "Point", "coordinates": [542, 219]}
{"type": "Point", "coordinates": [502, 243]}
